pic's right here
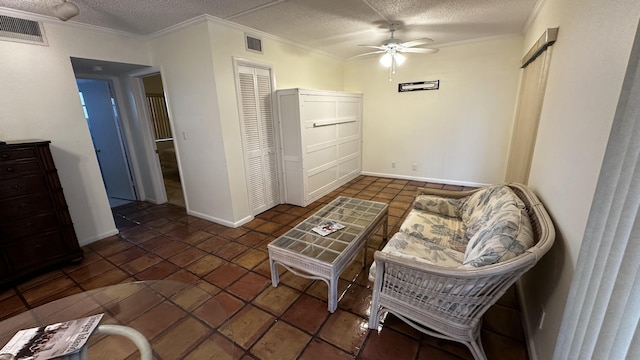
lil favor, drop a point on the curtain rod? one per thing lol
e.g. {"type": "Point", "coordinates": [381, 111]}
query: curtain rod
{"type": "Point", "coordinates": [547, 39]}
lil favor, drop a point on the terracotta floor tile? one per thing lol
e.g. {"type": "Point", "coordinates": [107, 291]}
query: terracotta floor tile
{"type": "Point", "coordinates": [157, 242]}
{"type": "Point", "coordinates": [231, 250]}
{"type": "Point", "coordinates": [158, 319]}
{"type": "Point", "coordinates": [214, 347]}
{"type": "Point", "coordinates": [255, 223]}
{"type": "Point", "coordinates": [225, 275]}
{"type": "Point", "coordinates": [142, 263]}
{"type": "Point", "coordinates": [11, 306]}
{"type": "Point", "coordinates": [269, 227]}
{"type": "Point", "coordinates": [276, 300]}
{"type": "Point", "coordinates": [59, 295]}
{"type": "Point", "coordinates": [42, 291]}
{"type": "Point", "coordinates": [252, 238]}
{"type": "Point", "coordinates": [430, 353]}
{"type": "Point", "coordinates": [196, 237]}
{"type": "Point", "coordinates": [205, 265]}
{"type": "Point", "coordinates": [215, 228]}
{"type": "Point", "coordinates": [233, 233]}
{"type": "Point", "coordinates": [191, 298]}
{"type": "Point", "coordinates": [212, 244]}
{"type": "Point", "coordinates": [307, 313]}
{"type": "Point", "coordinates": [126, 256]}
{"type": "Point", "coordinates": [168, 250]}
{"type": "Point", "coordinates": [504, 321]}
{"type": "Point", "coordinates": [496, 346]}
{"type": "Point", "coordinates": [158, 271]}
{"type": "Point", "coordinates": [183, 276]}
{"type": "Point", "coordinates": [281, 342]}
{"type": "Point", "coordinates": [180, 340]}
{"type": "Point", "coordinates": [345, 330]}
{"type": "Point", "coordinates": [294, 281]}
{"type": "Point", "coordinates": [212, 312]}
{"type": "Point", "coordinates": [320, 350]}
{"type": "Point", "coordinates": [388, 344]}
{"type": "Point", "coordinates": [110, 347]}
{"type": "Point", "coordinates": [230, 303]}
{"type": "Point", "coordinates": [248, 286]}
{"type": "Point", "coordinates": [187, 256]}
{"type": "Point", "coordinates": [39, 280]}
{"type": "Point", "coordinates": [134, 306]}
{"type": "Point", "coordinates": [91, 270]}
{"type": "Point", "coordinates": [263, 268]}
{"type": "Point", "coordinates": [248, 325]}
{"type": "Point", "coordinates": [250, 259]}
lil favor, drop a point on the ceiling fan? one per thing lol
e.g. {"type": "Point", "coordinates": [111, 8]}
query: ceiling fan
{"type": "Point", "coordinates": [393, 49]}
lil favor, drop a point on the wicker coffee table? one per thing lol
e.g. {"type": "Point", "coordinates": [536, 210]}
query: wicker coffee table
{"type": "Point", "coordinates": [307, 254]}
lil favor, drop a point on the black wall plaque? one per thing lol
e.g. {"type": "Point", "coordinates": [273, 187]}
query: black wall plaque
{"type": "Point", "coordinates": [419, 85]}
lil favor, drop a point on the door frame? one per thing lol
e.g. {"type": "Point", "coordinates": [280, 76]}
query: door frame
{"type": "Point", "coordinates": [237, 62]}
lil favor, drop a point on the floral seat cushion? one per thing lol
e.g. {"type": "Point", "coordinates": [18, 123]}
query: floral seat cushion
{"type": "Point", "coordinates": [449, 232]}
{"type": "Point", "coordinates": [410, 247]}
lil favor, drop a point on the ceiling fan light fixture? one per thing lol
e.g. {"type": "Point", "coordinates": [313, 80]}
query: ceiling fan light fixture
{"type": "Point", "coordinates": [66, 10]}
{"type": "Point", "coordinates": [386, 60]}
{"type": "Point", "coordinates": [400, 59]}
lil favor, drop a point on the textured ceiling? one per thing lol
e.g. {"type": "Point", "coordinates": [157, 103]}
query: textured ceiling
{"type": "Point", "coordinates": [332, 26]}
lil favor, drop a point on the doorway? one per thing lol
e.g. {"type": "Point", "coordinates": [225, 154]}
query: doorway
{"type": "Point", "coordinates": [102, 115]}
{"type": "Point", "coordinates": [163, 137]}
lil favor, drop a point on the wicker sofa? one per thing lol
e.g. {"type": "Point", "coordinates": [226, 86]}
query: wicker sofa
{"type": "Point", "coordinates": [455, 255]}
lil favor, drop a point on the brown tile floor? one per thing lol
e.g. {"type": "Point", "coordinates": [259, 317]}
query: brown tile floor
{"type": "Point", "coordinates": [287, 322]}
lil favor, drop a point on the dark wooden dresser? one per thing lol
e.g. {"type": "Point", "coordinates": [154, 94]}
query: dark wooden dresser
{"type": "Point", "coordinates": [36, 231]}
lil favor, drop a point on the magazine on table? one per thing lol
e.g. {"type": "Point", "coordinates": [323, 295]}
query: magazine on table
{"type": "Point", "coordinates": [51, 341]}
{"type": "Point", "coordinates": [328, 228]}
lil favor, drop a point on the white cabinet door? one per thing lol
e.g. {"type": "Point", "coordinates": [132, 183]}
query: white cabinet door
{"type": "Point", "coordinates": [259, 138]}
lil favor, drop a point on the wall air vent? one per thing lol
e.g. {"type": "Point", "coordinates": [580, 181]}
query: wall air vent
{"type": "Point", "coordinates": [252, 43]}
{"type": "Point", "coordinates": [21, 30]}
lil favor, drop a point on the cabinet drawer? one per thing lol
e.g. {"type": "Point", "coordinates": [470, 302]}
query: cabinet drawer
{"type": "Point", "coordinates": [17, 207]}
{"type": "Point", "coordinates": [31, 225]}
{"type": "Point", "coordinates": [17, 154]}
{"type": "Point", "coordinates": [17, 168]}
{"type": "Point", "coordinates": [35, 252]}
{"type": "Point", "coordinates": [22, 186]}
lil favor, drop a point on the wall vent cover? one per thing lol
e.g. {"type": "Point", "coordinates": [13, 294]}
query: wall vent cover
{"type": "Point", "coordinates": [253, 43]}
{"type": "Point", "coordinates": [21, 30]}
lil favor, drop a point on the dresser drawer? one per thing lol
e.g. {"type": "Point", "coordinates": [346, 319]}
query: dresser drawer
{"type": "Point", "coordinates": [17, 168]}
{"type": "Point", "coordinates": [35, 252]}
{"type": "Point", "coordinates": [31, 225]}
{"type": "Point", "coordinates": [17, 154]}
{"type": "Point", "coordinates": [26, 205]}
{"type": "Point", "coordinates": [30, 184]}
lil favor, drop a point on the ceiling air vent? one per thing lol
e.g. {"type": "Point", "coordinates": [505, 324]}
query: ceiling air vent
{"type": "Point", "coordinates": [253, 43]}
{"type": "Point", "coordinates": [21, 30]}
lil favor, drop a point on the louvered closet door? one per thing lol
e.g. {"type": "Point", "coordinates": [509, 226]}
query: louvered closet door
{"type": "Point", "coordinates": [259, 138]}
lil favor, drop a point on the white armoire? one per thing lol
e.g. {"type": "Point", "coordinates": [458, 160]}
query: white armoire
{"type": "Point", "coordinates": [321, 140]}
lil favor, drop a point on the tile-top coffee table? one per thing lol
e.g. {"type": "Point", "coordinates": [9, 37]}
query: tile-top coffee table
{"type": "Point", "coordinates": [307, 254]}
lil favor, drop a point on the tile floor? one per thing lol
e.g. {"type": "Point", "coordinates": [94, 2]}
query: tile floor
{"type": "Point", "coordinates": [287, 322]}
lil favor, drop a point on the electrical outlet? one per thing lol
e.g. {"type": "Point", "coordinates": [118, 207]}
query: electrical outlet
{"type": "Point", "coordinates": [414, 167]}
{"type": "Point", "coordinates": [393, 164]}
{"type": "Point", "coordinates": [542, 315]}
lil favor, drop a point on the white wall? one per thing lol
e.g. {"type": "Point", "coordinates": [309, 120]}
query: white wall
{"type": "Point", "coordinates": [586, 74]}
{"type": "Point", "coordinates": [457, 134]}
{"type": "Point", "coordinates": [196, 63]}
{"type": "Point", "coordinates": [39, 99]}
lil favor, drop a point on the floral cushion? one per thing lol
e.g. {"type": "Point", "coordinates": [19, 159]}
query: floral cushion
{"type": "Point", "coordinates": [448, 232]}
{"type": "Point", "coordinates": [410, 247]}
{"type": "Point", "coordinates": [498, 226]}
{"type": "Point", "coordinates": [439, 205]}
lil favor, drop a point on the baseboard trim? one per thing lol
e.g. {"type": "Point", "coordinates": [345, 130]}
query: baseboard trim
{"type": "Point", "coordinates": [87, 241]}
{"type": "Point", "coordinates": [416, 178]}
{"type": "Point", "coordinates": [221, 221]}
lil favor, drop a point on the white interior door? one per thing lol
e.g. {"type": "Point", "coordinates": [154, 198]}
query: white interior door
{"type": "Point", "coordinates": [102, 116]}
{"type": "Point", "coordinates": [259, 137]}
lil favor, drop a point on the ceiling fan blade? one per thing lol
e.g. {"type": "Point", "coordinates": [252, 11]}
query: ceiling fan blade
{"type": "Point", "coordinates": [373, 47]}
{"type": "Point", "coordinates": [420, 50]}
{"type": "Point", "coordinates": [417, 42]}
{"type": "Point", "coordinates": [365, 54]}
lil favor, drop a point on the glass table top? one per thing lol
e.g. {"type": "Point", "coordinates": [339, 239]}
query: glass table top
{"type": "Point", "coordinates": [179, 320]}
{"type": "Point", "coordinates": [354, 214]}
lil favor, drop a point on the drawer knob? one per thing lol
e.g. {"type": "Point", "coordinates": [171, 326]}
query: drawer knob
{"type": "Point", "coordinates": [17, 187]}
{"type": "Point", "coordinates": [4, 156]}
{"type": "Point", "coordinates": [24, 206]}
{"type": "Point", "coordinates": [10, 169]}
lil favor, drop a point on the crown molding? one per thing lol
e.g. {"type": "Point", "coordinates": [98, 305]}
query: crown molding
{"type": "Point", "coordinates": [533, 15]}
